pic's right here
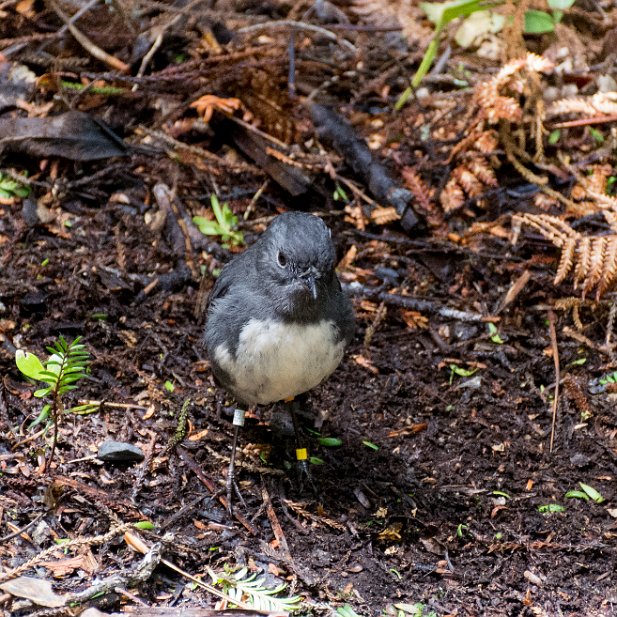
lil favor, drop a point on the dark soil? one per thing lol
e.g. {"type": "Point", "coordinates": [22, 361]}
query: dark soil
{"type": "Point", "coordinates": [449, 511]}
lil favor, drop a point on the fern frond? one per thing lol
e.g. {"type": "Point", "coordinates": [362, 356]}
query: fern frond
{"type": "Point", "coordinates": [566, 261]}
{"type": "Point", "coordinates": [609, 266]}
{"type": "Point", "coordinates": [248, 588]}
{"type": "Point", "coordinates": [592, 260]}
{"type": "Point", "coordinates": [452, 196]}
{"type": "Point", "coordinates": [582, 264]}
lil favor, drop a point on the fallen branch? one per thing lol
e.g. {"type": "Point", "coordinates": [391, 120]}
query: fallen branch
{"type": "Point", "coordinates": [334, 129]}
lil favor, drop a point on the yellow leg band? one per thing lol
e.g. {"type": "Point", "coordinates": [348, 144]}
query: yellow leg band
{"type": "Point", "coordinates": [301, 454]}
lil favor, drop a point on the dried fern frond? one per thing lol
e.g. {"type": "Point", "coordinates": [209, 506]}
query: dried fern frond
{"type": "Point", "coordinates": [424, 198]}
{"type": "Point", "coordinates": [383, 216]}
{"type": "Point", "coordinates": [487, 142]}
{"type": "Point", "coordinates": [483, 171]}
{"type": "Point", "coordinates": [497, 105]}
{"type": "Point", "coordinates": [601, 103]}
{"type": "Point", "coordinates": [452, 197]}
{"type": "Point", "coordinates": [469, 178]}
{"type": "Point", "coordinates": [590, 260]}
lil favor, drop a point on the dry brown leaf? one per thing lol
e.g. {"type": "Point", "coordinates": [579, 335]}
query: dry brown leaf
{"type": "Point", "coordinates": [414, 320]}
{"type": "Point", "coordinates": [364, 362]}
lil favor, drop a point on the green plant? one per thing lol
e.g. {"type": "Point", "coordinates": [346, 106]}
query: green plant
{"type": "Point", "coordinates": [245, 587]}
{"type": "Point", "coordinates": [225, 223]}
{"type": "Point", "coordinates": [10, 188]}
{"type": "Point", "coordinates": [346, 611]}
{"type": "Point", "coordinates": [66, 365]}
{"type": "Point", "coordinates": [551, 508]}
{"type": "Point", "coordinates": [608, 378]}
{"type": "Point", "coordinates": [541, 22]}
{"type": "Point", "coordinates": [330, 442]}
{"type": "Point", "coordinates": [340, 194]}
{"type": "Point", "coordinates": [587, 493]}
{"type": "Point", "coordinates": [418, 609]}
{"type": "Point", "coordinates": [442, 13]}
{"type": "Point", "coordinates": [461, 372]}
{"type": "Point", "coordinates": [493, 334]}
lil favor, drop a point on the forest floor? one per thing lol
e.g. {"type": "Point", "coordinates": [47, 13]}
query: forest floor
{"type": "Point", "coordinates": [472, 462]}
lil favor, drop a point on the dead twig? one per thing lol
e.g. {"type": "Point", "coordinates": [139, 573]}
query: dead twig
{"type": "Point", "coordinates": [87, 44]}
{"type": "Point", "coordinates": [555, 348]}
{"type": "Point", "coordinates": [284, 24]}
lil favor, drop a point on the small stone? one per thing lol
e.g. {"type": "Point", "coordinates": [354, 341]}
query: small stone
{"type": "Point", "coordinates": [120, 452]}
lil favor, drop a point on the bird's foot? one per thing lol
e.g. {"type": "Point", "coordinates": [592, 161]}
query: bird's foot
{"type": "Point", "coordinates": [303, 472]}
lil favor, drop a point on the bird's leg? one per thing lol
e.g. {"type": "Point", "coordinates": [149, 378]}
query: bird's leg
{"type": "Point", "coordinates": [231, 484]}
{"type": "Point", "coordinates": [301, 449]}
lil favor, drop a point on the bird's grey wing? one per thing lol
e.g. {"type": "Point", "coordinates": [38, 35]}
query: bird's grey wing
{"type": "Point", "coordinates": [234, 271]}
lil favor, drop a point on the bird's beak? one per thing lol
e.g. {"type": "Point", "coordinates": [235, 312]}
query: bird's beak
{"type": "Point", "coordinates": [309, 280]}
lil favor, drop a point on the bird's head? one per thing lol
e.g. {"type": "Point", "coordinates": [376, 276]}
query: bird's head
{"type": "Point", "coordinates": [296, 261]}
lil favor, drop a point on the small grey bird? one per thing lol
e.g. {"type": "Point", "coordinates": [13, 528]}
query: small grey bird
{"type": "Point", "coordinates": [277, 318]}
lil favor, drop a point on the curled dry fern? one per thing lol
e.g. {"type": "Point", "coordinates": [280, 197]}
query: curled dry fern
{"type": "Point", "coordinates": [248, 588]}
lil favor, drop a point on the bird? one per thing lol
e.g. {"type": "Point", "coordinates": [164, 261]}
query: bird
{"type": "Point", "coordinates": [277, 320]}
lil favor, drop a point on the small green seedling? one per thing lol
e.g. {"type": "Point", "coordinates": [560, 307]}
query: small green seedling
{"type": "Point", "coordinates": [10, 188]}
{"type": "Point", "coordinates": [414, 610]}
{"type": "Point", "coordinates": [493, 334]}
{"type": "Point", "coordinates": [442, 13]}
{"type": "Point", "coordinates": [578, 362]}
{"type": "Point", "coordinates": [340, 194]}
{"type": "Point", "coordinates": [554, 137]}
{"type": "Point", "coordinates": [346, 611]}
{"type": "Point", "coordinates": [144, 525]}
{"type": "Point", "coordinates": [169, 386]}
{"type": "Point", "coordinates": [551, 508]}
{"type": "Point", "coordinates": [587, 493]}
{"type": "Point", "coordinates": [608, 378]}
{"type": "Point", "coordinates": [461, 528]}
{"type": "Point", "coordinates": [370, 444]}
{"type": "Point", "coordinates": [598, 137]}
{"type": "Point", "coordinates": [330, 442]}
{"type": "Point", "coordinates": [461, 372]}
{"type": "Point", "coordinates": [225, 224]}
{"type": "Point", "coordinates": [501, 494]}
{"type": "Point", "coordinates": [541, 22]}
{"type": "Point", "coordinates": [67, 364]}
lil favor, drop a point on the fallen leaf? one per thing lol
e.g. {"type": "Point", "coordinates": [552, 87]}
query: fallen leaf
{"type": "Point", "coordinates": [34, 589]}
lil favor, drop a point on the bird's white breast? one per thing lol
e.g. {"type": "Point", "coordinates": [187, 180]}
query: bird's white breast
{"type": "Point", "coordinates": [275, 360]}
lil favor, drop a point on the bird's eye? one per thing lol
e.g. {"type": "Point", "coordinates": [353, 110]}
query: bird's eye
{"type": "Point", "coordinates": [281, 259]}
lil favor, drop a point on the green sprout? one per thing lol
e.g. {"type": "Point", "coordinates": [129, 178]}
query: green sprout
{"type": "Point", "coordinates": [551, 508]}
{"type": "Point", "coordinates": [461, 372]}
{"type": "Point", "coordinates": [370, 444]}
{"type": "Point", "coordinates": [587, 493]}
{"type": "Point", "coordinates": [493, 334]}
{"type": "Point", "coordinates": [460, 529]}
{"type": "Point", "coordinates": [67, 364]}
{"type": "Point", "coordinates": [340, 194]}
{"type": "Point", "coordinates": [10, 188]}
{"type": "Point", "coordinates": [225, 224]}
{"type": "Point", "coordinates": [346, 611]}
{"type": "Point", "coordinates": [442, 13]}
{"type": "Point", "coordinates": [608, 378]}
{"type": "Point", "coordinates": [330, 442]}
